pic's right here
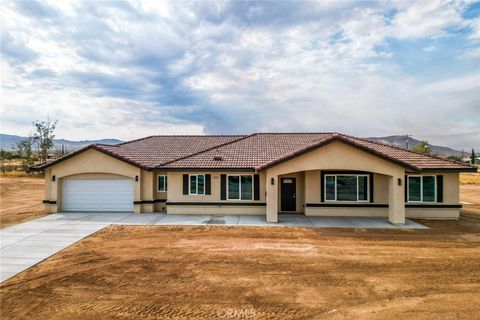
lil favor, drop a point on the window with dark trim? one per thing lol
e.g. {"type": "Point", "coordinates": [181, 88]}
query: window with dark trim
{"type": "Point", "coordinates": [197, 184]}
{"type": "Point", "coordinates": [240, 187]}
{"type": "Point", "coordinates": [162, 183]}
{"type": "Point", "coordinates": [347, 187]}
{"type": "Point", "coordinates": [421, 188]}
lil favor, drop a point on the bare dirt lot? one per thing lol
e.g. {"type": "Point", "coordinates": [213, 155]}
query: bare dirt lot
{"type": "Point", "coordinates": [470, 193]}
{"type": "Point", "coordinates": [262, 273]}
{"type": "Point", "coordinates": [20, 199]}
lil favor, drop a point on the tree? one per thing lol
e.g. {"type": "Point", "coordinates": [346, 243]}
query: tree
{"type": "Point", "coordinates": [6, 155]}
{"type": "Point", "coordinates": [455, 158]}
{"type": "Point", "coordinates": [422, 147]}
{"type": "Point", "coordinates": [25, 150]}
{"type": "Point", "coordinates": [43, 137]}
{"type": "Point", "coordinates": [472, 157]}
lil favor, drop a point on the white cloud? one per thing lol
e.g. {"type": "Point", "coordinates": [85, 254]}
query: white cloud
{"type": "Point", "coordinates": [429, 48]}
{"type": "Point", "coordinates": [125, 70]}
{"type": "Point", "coordinates": [426, 19]}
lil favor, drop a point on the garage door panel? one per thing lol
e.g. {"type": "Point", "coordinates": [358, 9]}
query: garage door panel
{"type": "Point", "coordinates": [98, 195]}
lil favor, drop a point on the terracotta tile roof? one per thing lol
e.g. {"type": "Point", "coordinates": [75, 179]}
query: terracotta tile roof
{"type": "Point", "coordinates": [251, 152]}
{"type": "Point", "coordinates": [156, 150]}
{"type": "Point", "coordinates": [153, 151]}
{"type": "Point", "coordinates": [254, 152]}
{"type": "Point", "coordinates": [260, 151]}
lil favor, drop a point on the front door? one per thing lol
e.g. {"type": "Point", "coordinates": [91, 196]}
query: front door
{"type": "Point", "coordinates": [287, 194]}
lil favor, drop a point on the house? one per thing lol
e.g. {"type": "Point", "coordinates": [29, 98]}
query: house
{"type": "Point", "coordinates": [315, 174]}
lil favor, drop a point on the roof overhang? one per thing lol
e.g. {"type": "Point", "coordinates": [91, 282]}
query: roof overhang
{"type": "Point", "coordinates": [45, 165]}
{"type": "Point", "coordinates": [204, 169]}
{"type": "Point", "coordinates": [466, 169]}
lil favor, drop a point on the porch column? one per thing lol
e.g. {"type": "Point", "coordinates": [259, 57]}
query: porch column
{"type": "Point", "coordinates": [272, 198]}
{"type": "Point", "coordinates": [396, 200]}
{"type": "Point", "coordinates": [147, 191]}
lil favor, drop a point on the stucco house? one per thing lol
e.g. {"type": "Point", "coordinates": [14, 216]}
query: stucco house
{"type": "Point", "coordinates": [316, 174]}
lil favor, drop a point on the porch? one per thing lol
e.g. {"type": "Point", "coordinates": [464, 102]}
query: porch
{"type": "Point", "coordinates": [337, 194]}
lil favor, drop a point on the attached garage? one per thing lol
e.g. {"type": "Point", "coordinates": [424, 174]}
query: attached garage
{"type": "Point", "coordinates": [108, 195]}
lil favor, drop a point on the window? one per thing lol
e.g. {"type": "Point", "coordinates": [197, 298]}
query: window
{"type": "Point", "coordinates": [197, 184]}
{"type": "Point", "coordinates": [240, 187]}
{"type": "Point", "coordinates": [343, 187]}
{"type": "Point", "coordinates": [421, 188]}
{"type": "Point", "coordinates": [162, 183]}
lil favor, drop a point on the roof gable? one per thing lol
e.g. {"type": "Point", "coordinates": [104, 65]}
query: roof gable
{"type": "Point", "coordinates": [153, 151]}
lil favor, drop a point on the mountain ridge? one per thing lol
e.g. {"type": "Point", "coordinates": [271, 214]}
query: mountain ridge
{"type": "Point", "coordinates": [8, 143]}
{"type": "Point", "coordinates": [409, 142]}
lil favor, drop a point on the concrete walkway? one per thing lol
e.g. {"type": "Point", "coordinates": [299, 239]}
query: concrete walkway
{"type": "Point", "coordinates": [26, 244]}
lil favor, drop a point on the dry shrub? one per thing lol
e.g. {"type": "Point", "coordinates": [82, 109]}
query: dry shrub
{"type": "Point", "coordinates": [470, 178]}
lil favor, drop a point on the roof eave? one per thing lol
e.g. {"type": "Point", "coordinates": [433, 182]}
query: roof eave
{"type": "Point", "coordinates": [45, 165]}
{"type": "Point", "coordinates": [466, 169]}
{"type": "Point", "coordinates": [205, 169]}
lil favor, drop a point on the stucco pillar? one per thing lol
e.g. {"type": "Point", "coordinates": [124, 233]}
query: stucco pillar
{"type": "Point", "coordinates": [46, 196]}
{"type": "Point", "coordinates": [137, 192]}
{"type": "Point", "coordinates": [396, 200]}
{"type": "Point", "coordinates": [147, 191]}
{"type": "Point", "coordinates": [55, 194]}
{"type": "Point", "coordinates": [272, 198]}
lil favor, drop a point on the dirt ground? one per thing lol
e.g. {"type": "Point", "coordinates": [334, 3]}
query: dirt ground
{"type": "Point", "coordinates": [256, 273]}
{"type": "Point", "coordinates": [20, 199]}
{"type": "Point", "coordinates": [470, 193]}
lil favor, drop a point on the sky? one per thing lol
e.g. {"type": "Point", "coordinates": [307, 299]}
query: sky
{"type": "Point", "coordinates": [128, 69]}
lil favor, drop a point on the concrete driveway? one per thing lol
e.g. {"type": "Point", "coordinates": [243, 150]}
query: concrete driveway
{"type": "Point", "coordinates": [26, 244]}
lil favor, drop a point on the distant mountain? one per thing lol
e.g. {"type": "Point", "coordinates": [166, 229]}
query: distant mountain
{"type": "Point", "coordinates": [8, 142]}
{"type": "Point", "coordinates": [401, 141]}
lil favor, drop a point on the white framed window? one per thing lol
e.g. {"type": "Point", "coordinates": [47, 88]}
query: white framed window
{"type": "Point", "coordinates": [347, 187]}
{"type": "Point", "coordinates": [421, 188]}
{"type": "Point", "coordinates": [196, 184]}
{"type": "Point", "coordinates": [240, 187]}
{"type": "Point", "coordinates": [162, 183]}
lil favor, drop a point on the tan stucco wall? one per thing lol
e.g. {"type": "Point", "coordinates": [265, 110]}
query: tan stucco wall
{"type": "Point", "coordinates": [347, 212]}
{"type": "Point", "coordinates": [380, 188]}
{"type": "Point", "coordinates": [338, 156]}
{"type": "Point", "coordinates": [432, 213]}
{"type": "Point", "coordinates": [88, 165]}
{"type": "Point", "coordinates": [175, 194]}
{"type": "Point", "coordinates": [159, 206]}
{"type": "Point", "coordinates": [217, 210]}
{"type": "Point", "coordinates": [158, 194]}
{"type": "Point", "coordinates": [312, 186]}
{"type": "Point", "coordinates": [451, 196]}
{"type": "Point", "coordinates": [175, 187]}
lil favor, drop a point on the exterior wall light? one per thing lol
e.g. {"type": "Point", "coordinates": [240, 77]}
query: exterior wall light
{"type": "Point", "coordinates": [53, 178]}
{"type": "Point", "coordinates": [136, 178]}
{"type": "Point", "coordinates": [272, 181]}
{"type": "Point", "coordinates": [399, 181]}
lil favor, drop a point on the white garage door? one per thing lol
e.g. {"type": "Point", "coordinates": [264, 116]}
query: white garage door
{"type": "Point", "coordinates": [97, 195]}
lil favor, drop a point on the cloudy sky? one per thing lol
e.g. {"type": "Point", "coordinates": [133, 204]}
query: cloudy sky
{"type": "Point", "coordinates": [127, 69]}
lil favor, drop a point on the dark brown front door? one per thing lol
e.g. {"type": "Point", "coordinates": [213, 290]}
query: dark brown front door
{"type": "Point", "coordinates": [287, 194]}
